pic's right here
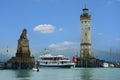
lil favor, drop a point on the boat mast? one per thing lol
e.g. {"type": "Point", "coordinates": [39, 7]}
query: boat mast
{"type": "Point", "coordinates": [116, 55]}
{"type": "Point", "coordinates": [110, 55]}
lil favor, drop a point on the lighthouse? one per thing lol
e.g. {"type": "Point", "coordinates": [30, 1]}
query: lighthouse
{"type": "Point", "coordinates": [85, 46]}
{"type": "Point", "coordinates": [86, 58]}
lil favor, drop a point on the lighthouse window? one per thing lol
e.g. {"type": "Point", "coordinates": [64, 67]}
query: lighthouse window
{"type": "Point", "coordinates": [88, 28]}
{"type": "Point", "coordinates": [85, 34]}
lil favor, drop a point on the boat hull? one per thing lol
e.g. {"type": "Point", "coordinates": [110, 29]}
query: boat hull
{"type": "Point", "coordinates": [57, 66]}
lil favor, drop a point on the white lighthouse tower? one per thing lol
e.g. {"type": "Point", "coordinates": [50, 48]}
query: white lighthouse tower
{"type": "Point", "coordinates": [85, 51]}
{"type": "Point", "coordinates": [86, 59]}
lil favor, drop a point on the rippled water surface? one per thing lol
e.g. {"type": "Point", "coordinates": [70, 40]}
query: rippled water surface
{"type": "Point", "coordinates": [62, 74]}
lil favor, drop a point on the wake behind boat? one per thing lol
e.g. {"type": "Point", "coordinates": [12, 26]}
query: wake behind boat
{"type": "Point", "coordinates": [59, 61]}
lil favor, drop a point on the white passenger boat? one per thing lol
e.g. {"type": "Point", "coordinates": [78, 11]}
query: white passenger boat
{"type": "Point", "coordinates": [48, 60]}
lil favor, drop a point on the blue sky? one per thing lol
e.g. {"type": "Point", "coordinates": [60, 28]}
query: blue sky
{"type": "Point", "coordinates": [58, 23]}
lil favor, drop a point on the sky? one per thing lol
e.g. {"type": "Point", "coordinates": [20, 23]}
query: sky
{"type": "Point", "coordinates": [55, 24]}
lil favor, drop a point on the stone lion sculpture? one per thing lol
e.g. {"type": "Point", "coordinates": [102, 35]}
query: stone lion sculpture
{"type": "Point", "coordinates": [23, 35]}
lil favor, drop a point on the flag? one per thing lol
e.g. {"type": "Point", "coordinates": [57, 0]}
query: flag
{"type": "Point", "coordinates": [74, 59]}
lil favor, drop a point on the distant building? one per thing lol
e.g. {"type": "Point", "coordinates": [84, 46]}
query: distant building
{"type": "Point", "coordinates": [23, 59]}
{"type": "Point", "coordinates": [2, 65]}
{"type": "Point", "coordinates": [86, 59]}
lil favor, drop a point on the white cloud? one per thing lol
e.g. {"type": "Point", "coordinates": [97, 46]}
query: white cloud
{"type": "Point", "coordinates": [110, 40]}
{"type": "Point", "coordinates": [60, 29]}
{"type": "Point", "coordinates": [99, 34]}
{"type": "Point", "coordinates": [45, 28]}
{"type": "Point", "coordinates": [67, 43]}
{"type": "Point", "coordinates": [117, 39]}
{"type": "Point", "coordinates": [64, 45]}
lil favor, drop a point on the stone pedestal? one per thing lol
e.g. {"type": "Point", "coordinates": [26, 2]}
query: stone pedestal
{"type": "Point", "coordinates": [23, 60]}
{"type": "Point", "coordinates": [88, 62]}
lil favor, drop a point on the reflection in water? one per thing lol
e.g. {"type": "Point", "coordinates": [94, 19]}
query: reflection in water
{"type": "Point", "coordinates": [62, 74]}
{"type": "Point", "coordinates": [23, 74]}
{"type": "Point", "coordinates": [86, 74]}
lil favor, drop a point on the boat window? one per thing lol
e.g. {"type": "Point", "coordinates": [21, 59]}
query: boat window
{"type": "Point", "coordinates": [47, 58]}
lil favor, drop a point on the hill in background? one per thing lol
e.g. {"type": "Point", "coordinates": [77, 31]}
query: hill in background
{"type": "Point", "coordinates": [103, 55]}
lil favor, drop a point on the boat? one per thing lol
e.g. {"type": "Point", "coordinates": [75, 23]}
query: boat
{"type": "Point", "coordinates": [111, 65]}
{"type": "Point", "coordinates": [59, 61]}
{"type": "Point", "coordinates": [108, 65]}
{"type": "Point", "coordinates": [35, 69]}
{"type": "Point", "coordinates": [105, 65]}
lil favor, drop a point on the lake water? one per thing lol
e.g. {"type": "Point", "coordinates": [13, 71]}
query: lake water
{"type": "Point", "coordinates": [62, 74]}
